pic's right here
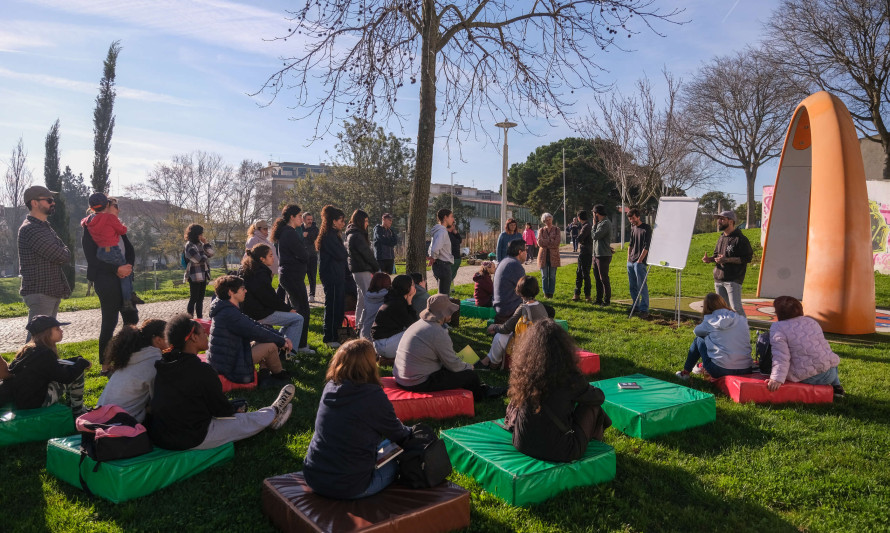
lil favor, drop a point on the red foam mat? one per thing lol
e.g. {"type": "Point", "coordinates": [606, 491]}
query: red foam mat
{"type": "Point", "coordinates": [204, 322]}
{"type": "Point", "coordinates": [228, 386]}
{"type": "Point", "coordinates": [439, 404]}
{"type": "Point", "coordinates": [349, 319]}
{"type": "Point", "coordinates": [588, 362]}
{"type": "Point", "coordinates": [752, 388]}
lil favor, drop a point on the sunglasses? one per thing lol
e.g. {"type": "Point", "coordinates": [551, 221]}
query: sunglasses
{"type": "Point", "coordinates": [50, 201]}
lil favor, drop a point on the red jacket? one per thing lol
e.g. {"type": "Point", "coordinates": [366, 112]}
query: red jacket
{"type": "Point", "coordinates": [106, 229]}
{"type": "Point", "coordinates": [484, 289]}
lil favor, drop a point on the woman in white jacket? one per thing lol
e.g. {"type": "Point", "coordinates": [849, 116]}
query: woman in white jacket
{"type": "Point", "coordinates": [133, 353]}
{"type": "Point", "coordinates": [722, 342]}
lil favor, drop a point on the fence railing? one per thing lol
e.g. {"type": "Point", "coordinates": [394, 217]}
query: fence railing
{"type": "Point", "coordinates": [478, 241]}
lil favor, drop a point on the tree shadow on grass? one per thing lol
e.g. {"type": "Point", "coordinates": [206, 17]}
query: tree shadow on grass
{"type": "Point", "coordinates": [731, 429]}
{"type": "Point", "coordinates": [22, 495]}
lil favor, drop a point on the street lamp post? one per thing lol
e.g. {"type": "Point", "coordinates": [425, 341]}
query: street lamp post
{"type": "Point", "coordinates": [452, 191]}
{"type": "Point", "coordinates": [506, 124]}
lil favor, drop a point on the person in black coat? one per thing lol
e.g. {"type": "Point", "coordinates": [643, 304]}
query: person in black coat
{"type": "Point", "coordinates": [385, 241]}
{"type": "Point", "coordinates": [310, 235]}
{"type": "Point", "coordinates": [553, 412]}
{"type": "Point", "coordinates": [262, 303]}
{"type": "Point", "coordinates": [106, 279]}
{"type": "Point", "coordinates": [394, 317]}
{"type": "Point", "coordinates": [361, 261]}
{"type": "Point", "coordinates": [293, 260]}
{"type": "Point", "coordinates": [333, 270]}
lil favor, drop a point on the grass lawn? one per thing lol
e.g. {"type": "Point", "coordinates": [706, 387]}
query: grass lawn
{"type": "Point", "coordinates": [757, 468]}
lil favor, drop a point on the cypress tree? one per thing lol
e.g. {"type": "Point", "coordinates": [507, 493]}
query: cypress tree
{"type": "Point", "coordinates": [59, 220]}
{"type": "Point", "coordinates": [103, 121]}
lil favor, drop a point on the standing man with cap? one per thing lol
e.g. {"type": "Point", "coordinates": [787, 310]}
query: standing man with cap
{"type": "Point", "coordinates": [385, 241]}
{"type": "Point", "coordinates": [41, 256]}
{"type": "Point", "coordinates": [731, 257]}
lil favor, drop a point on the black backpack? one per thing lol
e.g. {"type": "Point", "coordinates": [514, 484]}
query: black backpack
{"type": "Point", "coordinates": [764, 352]}
{"type": "Point", "coordinates": [108, 433]}
{"type": "Point", "coordinates": [425, 462]}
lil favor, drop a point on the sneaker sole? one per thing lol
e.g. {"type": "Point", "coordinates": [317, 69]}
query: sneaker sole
{"type": "Point", "coordinates": [282, 417]}
{"type": "Point", "coordinates": [284, 397]}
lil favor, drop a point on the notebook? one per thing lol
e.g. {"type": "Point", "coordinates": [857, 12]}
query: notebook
{"type": "Point", "coordinates": [386, 452]}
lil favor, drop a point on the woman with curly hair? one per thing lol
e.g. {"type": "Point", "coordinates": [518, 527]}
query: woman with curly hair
{"type": "Point", "coordinates": [197, 253]}
{"type": "Point", "coordinates": [332, 270]}
{"type": "Point", "coordinates": [133, 353]}
{"type": "Point", "coordinates": [293, 261]}
{"type": "Point", "coordinates": [553, 412]}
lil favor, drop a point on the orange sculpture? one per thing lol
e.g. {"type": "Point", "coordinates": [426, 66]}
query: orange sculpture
{"type": "Point", "coordinates": [818, 242]}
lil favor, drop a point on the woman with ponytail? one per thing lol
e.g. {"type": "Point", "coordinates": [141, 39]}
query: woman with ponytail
{"type": "Point", "coordinates": [332, 270]}
{"type": "Point", "coordinates": [261, 303]}
{"type": "Point", "coordinates": [293, 261]}
{"type": "Point", "coordinates": [133, 353]}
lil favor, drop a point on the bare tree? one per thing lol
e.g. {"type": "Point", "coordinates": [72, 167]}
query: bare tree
{"type": "Point", "coordinates": [736, 112]}
{"type": "Point", "coordinates": [841, 46]}
{"type": "Point", "coordinates": [477, 62]}
{"type": "Point", "coordinates": [18, 178]}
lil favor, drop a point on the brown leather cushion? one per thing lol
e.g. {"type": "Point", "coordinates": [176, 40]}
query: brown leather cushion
{"type": "Point", "coordinates": [292, 506]}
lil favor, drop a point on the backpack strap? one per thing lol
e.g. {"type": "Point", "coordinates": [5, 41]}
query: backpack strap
{"type": "Point", "coordinates": [83, 482]}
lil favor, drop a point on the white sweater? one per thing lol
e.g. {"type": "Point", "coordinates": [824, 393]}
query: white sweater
{"type": "Point", "coordinates": [131, 387]}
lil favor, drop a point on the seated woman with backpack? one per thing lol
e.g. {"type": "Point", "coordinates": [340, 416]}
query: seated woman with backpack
{"type": "Point", "coordinates": [354, 416]}
{"type": "Point", "coordinates": [528, 312]}
{"type": "Point", "coordinates": [133, 353]}
{"type": "Point", "coordinates": [378, 288]}
{"type": "Point", "coordinates": [37, 377]}
{"type": "Point", "coordinates": [799, 349]}
{"type": "Point", "coordinates": [188, 407]}
{"type": "Point", "coordinates": [483, 284]}
{"type": "Point", "coordinates": [553, 411]}
{"type": "Point", "coordinates": [395, 316]}
{"type": "Point", "coordinates": [722, 342]}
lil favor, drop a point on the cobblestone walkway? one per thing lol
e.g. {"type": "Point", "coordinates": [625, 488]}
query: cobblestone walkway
{"type": "Point", "coordinates": [85, 324]}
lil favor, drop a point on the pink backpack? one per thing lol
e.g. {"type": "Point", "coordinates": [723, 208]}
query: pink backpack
{"type": "Point", "coordinates": [108, 433]}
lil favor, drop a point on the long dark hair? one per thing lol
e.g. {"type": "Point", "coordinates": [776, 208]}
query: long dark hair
{"type": "Point", "coordinates": [193, 232]}
{"type": "Point", "coordinates": [253, 259]}
{"type": "Point", "coordinates": [358, 220]}
{"type": "Point", "coordinates": [329, 214]}
{"type": "Point", "coordinates": [545, 359]}
{"type": "Point", "coordinates": [130, 340]}
{"type": "Point", "coordinates": [287, 212]}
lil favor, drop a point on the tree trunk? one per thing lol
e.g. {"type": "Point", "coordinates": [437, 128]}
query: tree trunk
{"type": "Point", "coordinates": [751, 177]}
{"type": "Point", "coordinates": [426, 138]}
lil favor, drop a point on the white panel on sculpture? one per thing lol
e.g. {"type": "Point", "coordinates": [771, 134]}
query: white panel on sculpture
{"type": "Point", "coordinates": [672, 232]}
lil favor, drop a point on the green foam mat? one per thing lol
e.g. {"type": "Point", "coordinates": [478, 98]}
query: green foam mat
{"type": "Point", "coordinates": [658, 407]}
{"type": "Point", "coordinates": [564, 324]}
{"type": "Point", "coordinates": [468, 309]}
{"type": "Point", "coordinates": [127, 479]}
{"type": "Point", "coordinates": [30, 425]}
{"type": "Point", "coordinates": [485, 452]}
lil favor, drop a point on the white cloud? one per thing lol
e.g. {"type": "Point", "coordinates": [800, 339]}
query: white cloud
{"type": "Point", "coordinates": [91, 88]}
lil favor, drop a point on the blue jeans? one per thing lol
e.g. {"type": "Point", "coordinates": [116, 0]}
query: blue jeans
{"type": "Point", "coordinates": [334, 294]}
{"type": "Point", "coordinates": [699, 350]}
{"type": "Point", "coordinates": [382, 478]}
{"type": "Point", "coordinates": [636, 277]}
{"type": "Point", "coordinates": [112, 255]}
{"type": "Point", "coordinates": [291, 325]}
{"type": "Point", "coordinates": [548, 279]}
{"type": "Point", "coordinates": [731, 291]}
{"type": "Point", "coordinates": [829, 377]}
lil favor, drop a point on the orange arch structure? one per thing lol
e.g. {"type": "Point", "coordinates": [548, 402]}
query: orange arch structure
{"type": "Point", "coordinates": [818, 242]}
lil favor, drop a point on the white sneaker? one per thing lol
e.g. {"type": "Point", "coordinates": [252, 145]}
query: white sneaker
{"type": "Point", "coordinates": [284, 397]}
{"type": "Point", "coordinates": [333, 344]}
{"type": "Point", "coordinates": [306, 349]}
{"type": "Point", "coordinates": [697, 369]}
{"type": "Point", "coordinates": [682, 374]}
{"type": "Point", "coordinates": [281, 417]}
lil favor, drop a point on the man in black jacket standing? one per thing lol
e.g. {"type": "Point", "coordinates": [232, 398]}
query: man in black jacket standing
{"type": "Point", "coordinates": [731, 257]}
{"type": "Point", "coordinates": [585, 258]}
{"type": "Point", "coordinates": [385, 240]}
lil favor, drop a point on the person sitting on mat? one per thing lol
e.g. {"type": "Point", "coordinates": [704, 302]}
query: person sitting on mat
{"type": "Point", "coordinates": [395, 316]}
{"type": "Point", "coordinates": [189, 409]}
{"type": "Point", "coordinates": [722, 342]}
{"type": "Point", "coordinates": [378, 288]}
{"type": "Point", "coordinates": [800, 351]}
{"type": "Point", "coordinates": [353, 416]}
{"type": "Point", "coordinates": [133, 353]}
{"type": "Point", "coordinates": [553, 412]}
{"type": "Point", "coordinates": [231, 333]}
{"type": "Point", "coordinates": [421, 295]}
{"type": "Point", "coordinates": [506, 276]}
{"type": "Point", "coordinates": [529, 312]}
{"type": "Point", "coordinates": [483, 284]}
{"type": "Point", "coordinates": [425, 358]}
{"type": "Point", "coordinates": [261, 302]}
{"type": "Point", "coordinates": [37, 377]}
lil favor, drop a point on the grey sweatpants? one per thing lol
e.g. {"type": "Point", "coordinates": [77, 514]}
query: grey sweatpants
{"type": "Point", "coordinates": [241, 426]}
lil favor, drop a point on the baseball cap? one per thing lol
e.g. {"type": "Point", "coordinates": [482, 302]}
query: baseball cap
{"type": "Point", "coordinates": [438, 307]}
{"type": "Point", "coordinates": [37, 191]}
{"type": "Point", "coordinates": [42, 323]}
{"type": "Point", "coordinates": [727, 214]}
{"type": "Point", "coordinates": [98, 200]}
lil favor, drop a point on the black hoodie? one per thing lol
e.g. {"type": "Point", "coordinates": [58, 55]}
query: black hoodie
{"type": "Point", "coordinates": [361, 259]}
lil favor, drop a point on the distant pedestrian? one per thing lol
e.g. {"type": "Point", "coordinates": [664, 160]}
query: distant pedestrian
{"type": "Point", "coordinates": [41, 256]}
{"type": "Point", "coordinates": [310, 235]}
{"type": "Point", "coordinates": [333, 257]}
{"type": "Point", "coordinates": [385, 240]}
{"type": "Point", "coordinates": [456, 239]}
{"type": "Point", "coordinates": [362, 264]}
{"type": "Point", "coordinates": [549, 239]}
{"type": "Point", "coordinates": [531, 242]}
{"type": "Point", "coordinates": [439, 252]}
{"type": "Point", "coordinates": [510, 233]}
{"type": "Point", "coordinates": [585, 258]}
{"type": "Point", "coordinates": [197, 253]}
{"type": "Point", "coordinates": [293, 256]}
{"type": "Point", "coordinates": [602, 255]}
{"type": "Point", "coordinates": [637, 252]}
{"type": "Point", "coordinates": [572, 231]}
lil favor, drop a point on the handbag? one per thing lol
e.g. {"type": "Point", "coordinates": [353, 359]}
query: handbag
{"type": "Point", "coordinates": [425, 462]}
{"type": "Point", "coordinates": [764, 352]}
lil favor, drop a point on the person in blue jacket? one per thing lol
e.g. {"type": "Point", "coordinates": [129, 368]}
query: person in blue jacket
{"type": "Point", "coordinates": [332, 271]}
{"type": "Point", "coordinates": [231, 333]}
{"type": "Point", "coordinates": [354, 417]}
{"type": "Point", "coordinates": [511, 233]}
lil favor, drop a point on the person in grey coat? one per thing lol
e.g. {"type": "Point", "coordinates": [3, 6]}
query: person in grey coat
{"type": "Point", "coordinates": [602, 254]}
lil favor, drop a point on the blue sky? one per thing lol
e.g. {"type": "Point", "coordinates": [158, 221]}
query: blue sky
{"type": "Point", "coordinates": [186, 69]}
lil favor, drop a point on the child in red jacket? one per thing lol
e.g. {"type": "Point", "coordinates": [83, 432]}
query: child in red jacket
{"type": "Point", "coordinates": [106, 229]}
{"type": "Point", "coordinates": [483, 290]}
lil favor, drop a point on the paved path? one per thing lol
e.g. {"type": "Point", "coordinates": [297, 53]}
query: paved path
{"type": "Point", "coordinates": [85, 324]}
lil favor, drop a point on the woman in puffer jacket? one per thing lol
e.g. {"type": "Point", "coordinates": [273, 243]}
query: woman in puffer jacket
{"type": "Point", "coordinates": [800, 351]}
{"type": "Point", "coordinates": [722, 342]}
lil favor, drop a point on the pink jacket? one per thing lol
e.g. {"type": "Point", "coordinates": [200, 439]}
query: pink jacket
{"type": "Point", "coordinates": [105, 229]}
{"type": "Point", "coordinates": [529, 237]}
{"type": "Point", "coordinates": [800, 350]}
